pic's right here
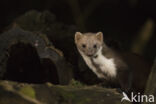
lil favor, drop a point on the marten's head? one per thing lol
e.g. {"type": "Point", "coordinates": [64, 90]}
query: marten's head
{"type": "Point", "coordinates": [89, 43]}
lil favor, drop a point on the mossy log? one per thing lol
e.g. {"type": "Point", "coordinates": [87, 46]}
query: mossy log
{"type": "Point", "coordinates": [20, 93]}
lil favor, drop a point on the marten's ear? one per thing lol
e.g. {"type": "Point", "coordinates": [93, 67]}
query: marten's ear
{"type": "Point", "coordinates": [99, 36]}
{"type": "Point", "coordinates": [78, 36]}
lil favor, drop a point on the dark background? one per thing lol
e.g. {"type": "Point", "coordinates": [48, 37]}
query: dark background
{"type": "Point", "coordinates": [122, 20]}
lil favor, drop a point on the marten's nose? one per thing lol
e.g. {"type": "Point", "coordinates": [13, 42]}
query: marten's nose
{"type": "Point", "coordinates": [90, 52]}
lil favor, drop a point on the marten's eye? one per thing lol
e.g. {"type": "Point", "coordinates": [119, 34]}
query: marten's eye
{"type": "Point", "coordinates": [94, 46]}
{"type": "Point", "coordinates": [83, 45]}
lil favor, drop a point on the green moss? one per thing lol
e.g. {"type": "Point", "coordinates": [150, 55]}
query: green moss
{"type": "Point", "coordinates": [28, 91]}
{"type": "Point", "coordinates": [76, 83]}
{"type": "Point", "coordinates": [84, 101]}
{"type": "Point", "coordinates": [67, 95]}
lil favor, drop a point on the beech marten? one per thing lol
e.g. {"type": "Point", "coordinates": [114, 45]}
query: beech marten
{"type": "Point", "coordinates": [128, 70]}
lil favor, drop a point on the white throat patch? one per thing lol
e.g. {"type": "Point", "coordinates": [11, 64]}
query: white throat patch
{"type": "Point", "coordinates": [106, 65]}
